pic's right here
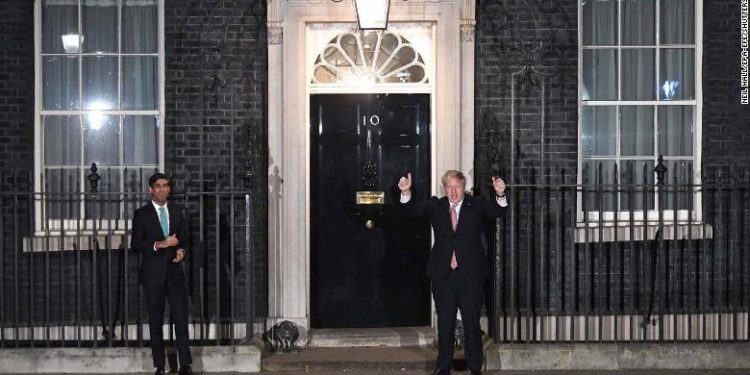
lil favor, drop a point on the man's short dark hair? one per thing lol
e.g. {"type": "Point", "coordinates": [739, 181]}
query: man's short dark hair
{"type": "Point", "coordinates": [158, 176]}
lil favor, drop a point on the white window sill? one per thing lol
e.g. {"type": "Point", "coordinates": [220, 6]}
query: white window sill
{"type": "Point", "coordinates": [641, 231]}
{"type": "Point", "coordinates": [54, 241]}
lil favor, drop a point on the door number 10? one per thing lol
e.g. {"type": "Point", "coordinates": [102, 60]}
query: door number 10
{"type": "Point", "coordinates": [373, 120]}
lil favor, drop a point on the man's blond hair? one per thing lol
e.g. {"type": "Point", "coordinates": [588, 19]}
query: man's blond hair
{"type": "Point", "coordinates": [453, 174]}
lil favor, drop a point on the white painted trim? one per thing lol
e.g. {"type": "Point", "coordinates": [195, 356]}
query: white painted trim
{"type": "Point", "coordinates": [38, 139]}
{"type": "Point", "coordinates": [289, 207]}
{"type": "Point", "coordinates": [162, 79]}
{"type": "Point", "coordinates": [698, 119]}
{"type": "Point", "coordinates": [38, 102]}
{"type": "Point", "coordinates": [697, 115]}
{"type": "Point", "coordinates": [380, 89]}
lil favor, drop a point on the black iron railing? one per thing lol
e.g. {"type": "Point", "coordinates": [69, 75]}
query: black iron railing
{"type": "Point", "coordinates": [645, 253]}
{"type": "Point", "coordinates": [69, 279]}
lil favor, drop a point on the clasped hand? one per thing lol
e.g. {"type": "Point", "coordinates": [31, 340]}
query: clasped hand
{"type": "Point", "coordinates": [170, 241]}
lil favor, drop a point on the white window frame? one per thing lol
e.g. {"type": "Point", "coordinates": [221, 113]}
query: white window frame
{"type": "Point", "coordinates": [59, 227]}
{"type": "Point", "coordinates": [652, 215]}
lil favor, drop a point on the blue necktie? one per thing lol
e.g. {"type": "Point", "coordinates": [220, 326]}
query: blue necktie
{"type": "Point", "coordinates": [164, 221]}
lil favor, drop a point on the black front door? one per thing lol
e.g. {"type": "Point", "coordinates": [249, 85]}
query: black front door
{"type": "Point", "coordinates": [367, 277]}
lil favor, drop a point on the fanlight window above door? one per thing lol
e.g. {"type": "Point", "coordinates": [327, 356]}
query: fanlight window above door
{"type": "Point", "coordinates": [369, 57]}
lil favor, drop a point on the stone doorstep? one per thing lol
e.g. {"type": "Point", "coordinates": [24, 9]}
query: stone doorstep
{"type": "Point", "coordinates": [372, 337]}
{"type": "Point", "coordinates": [245, 358]}
{"type": "Point", "coordinates": [359, 349]}
{"type": "Point", "coordinates": [352, 359]}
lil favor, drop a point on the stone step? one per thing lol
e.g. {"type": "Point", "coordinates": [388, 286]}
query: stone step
{"type": "Point", "coordinates": [372, 337]}
{"type": "Point", "coordinates": [355, 360]}
{"type": "Point", "coordinates": [360, 350]}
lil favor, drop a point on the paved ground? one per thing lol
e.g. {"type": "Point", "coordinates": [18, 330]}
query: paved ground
{"type": "Point", "coordinates": [639, 372]}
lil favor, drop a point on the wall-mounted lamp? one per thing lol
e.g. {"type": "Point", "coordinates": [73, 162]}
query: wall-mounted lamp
{"type": "Point", "coordinates": [72, 43]}
{"type": "Point", "coordinates": [372, 14]}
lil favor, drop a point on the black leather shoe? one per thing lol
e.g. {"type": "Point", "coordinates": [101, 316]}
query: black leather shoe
{"type": "Point", "coordinates": [185, 371]}
{"type": "Point", "coordinates": [442, 372]}
{"type": "Point", "coordinates": [476, 372]}
{"type": "Point", "coordinates": [159, 371]}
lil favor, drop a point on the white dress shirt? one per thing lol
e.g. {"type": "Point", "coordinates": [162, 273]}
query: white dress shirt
{"type": "Point", "coordinates": [158, 214]}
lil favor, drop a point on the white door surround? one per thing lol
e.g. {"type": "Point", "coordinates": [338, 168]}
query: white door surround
{"type": "Point", "coordinates": [290, 45]}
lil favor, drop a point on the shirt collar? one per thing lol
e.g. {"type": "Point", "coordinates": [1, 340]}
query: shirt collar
{"type": "Point", "coordinates": [458, 205]}
{"type": "Point", "coordinates": [157, 207]}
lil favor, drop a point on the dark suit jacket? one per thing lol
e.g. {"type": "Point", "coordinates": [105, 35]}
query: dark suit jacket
{"type": "Point", "coordinates": [466, 241]}
{"type": "Point", "coordinates": [157, 267]}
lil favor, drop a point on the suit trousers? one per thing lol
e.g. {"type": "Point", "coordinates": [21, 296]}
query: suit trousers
{"type": "Point", "coordinates": [178, 308]}
{"type": "Point", "coordinates": [451, 294]}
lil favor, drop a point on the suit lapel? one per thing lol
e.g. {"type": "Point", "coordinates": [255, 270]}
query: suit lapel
{"type": "Point", "coordinates": [154, 215]}
{"type": "Point", "coordinates": [466, 208]}
{"type": "Point", "coordinates": [447, 215]}
{"type": "Point", "coordinates": [173, 218]}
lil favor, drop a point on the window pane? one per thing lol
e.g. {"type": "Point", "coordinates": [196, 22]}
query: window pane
{"type": "Point", "coordinates": [677, 22]}
{"type": "Point", "coordinates": [637, 131]}
{"type": "Point", "coordinates": [599, 22]}
{"type": "Point", "coordinates": [62, 140]}
{"type": "Point", "coordinates": [324, 74]}
{"type": "Point", "coordinates": [677, 68]}
{"type": "Point", "coordinates": [369, 42]}
{"type": "Point", "coordinates": [404, 56]}
{"type": "Point", "coordinates": [638, 22]}
{"type": "Point", "coordinates": [139, 82]}
{"type": "Point", "coordinates": [99, 21]}
{"type": "Point", "coordinates": [414, 73]}
{"type": "Point", "coordinates": [388, 44]}
{"type": "Point", "coordinates": [634, 187]}
{"type": "Point", "coordinates": [599, 75]}
{"type": "Point", "coordinates": [60, 184]}
{"type": "Point", "coordinates": [335, 57]}
{"type": "Point", "coordinates": [598, 133]}
{"type": "Point", "coordinates": [600, 185]}
{"type": "Point", "coordinates": [349, 45]}
{"type": "Point", "coordinates": [638, 74]}
{"type": "Point", "coordinates": [100, 82]}
{"type": "Point", "coordinates": [676, 130]}
{"type": "Point", "coordinates": [101, 140]}
{"type": "Point", "coordinates": [60, 90]}
{"type": "Point", "coordinates": [139, 27]}
{"type": "Point", "coordinates": [141, 134]}
{"type": "Point", "coordinates": [57, 20]}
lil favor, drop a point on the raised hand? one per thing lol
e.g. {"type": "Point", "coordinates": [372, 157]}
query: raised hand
{"type": "Point", "coordinates": [404, 184]}
{"type": "Point", "coordinates": [499, 185]}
